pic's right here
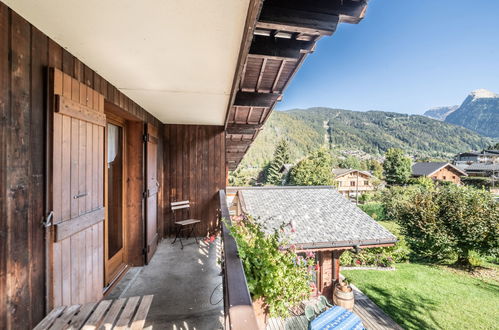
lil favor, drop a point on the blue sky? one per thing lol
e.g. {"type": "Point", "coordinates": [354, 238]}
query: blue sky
{"type": "Point", "coordinates": [405, 56]}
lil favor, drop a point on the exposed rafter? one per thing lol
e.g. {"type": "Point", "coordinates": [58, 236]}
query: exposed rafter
{"type": "Point", "coordinates": [255, 99]}
{"type": "Point", "coordinates": [243, 128]}
{"type": "Point", "coordinates": [286, 31]}
{"type": "Point", "coordinates": [278, 47]}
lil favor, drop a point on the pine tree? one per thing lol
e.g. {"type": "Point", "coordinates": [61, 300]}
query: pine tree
{"type": "Point", "coordinates": [281, 157]}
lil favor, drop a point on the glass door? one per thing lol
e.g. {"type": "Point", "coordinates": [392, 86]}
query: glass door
{"type": "Point", "coordinates": [114, 222]}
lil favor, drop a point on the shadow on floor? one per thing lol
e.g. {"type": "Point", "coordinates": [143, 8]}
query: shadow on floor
{"type": "Point", "coordinates": [186, 285]}
{"type": "Point", "coordinates": [412, 311]}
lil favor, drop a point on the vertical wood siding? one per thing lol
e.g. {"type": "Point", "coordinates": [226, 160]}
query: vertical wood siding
{"type": "Point", "coordinates": [25, 54]}
{"type": "Point", "coordinates": [194, 170]}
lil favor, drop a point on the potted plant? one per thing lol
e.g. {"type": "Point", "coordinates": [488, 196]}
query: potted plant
{"type": "Point", "coordinates": [278, 279]}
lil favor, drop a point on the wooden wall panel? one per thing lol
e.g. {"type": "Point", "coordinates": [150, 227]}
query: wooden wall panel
{"type": "Point", "coordinates": [25, 55]}
{"type": "Point", "coordinates": [194, 170]}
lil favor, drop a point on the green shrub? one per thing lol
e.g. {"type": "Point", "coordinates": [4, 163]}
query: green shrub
{"type": "Point", "coordinates": [375, 210]}
{"type": "Point", "coordinates": [379, 257]}
{"type": "Point", "coordinates": [448, 221]}
{"type": "Point", "coordinates": [477, 182]}
{"type": "Point", "coordinates": [276, 274]}
{"type": "Point", "coordinates": [475, 259]}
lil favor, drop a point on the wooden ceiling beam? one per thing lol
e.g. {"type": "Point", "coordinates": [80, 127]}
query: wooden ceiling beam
{"type": "Point", "coordinates": [299, 18]}
{"type": "Point", "coordinates": [291, 28]}
{"type": "Point", "coordinates": [278, 76]}
{"type": "Point", "coordinates": [351, 8]}
{"type": "Point", "coordinates": [243, 128]}
{"type": "Point", "coordinates": [243, 143]}
{"type": "Point", "coordinates": [249, 99]}
{"type": "Point", "coordinates": [278, 47]}
{"type": "Point", "coordinates": [260, 75]}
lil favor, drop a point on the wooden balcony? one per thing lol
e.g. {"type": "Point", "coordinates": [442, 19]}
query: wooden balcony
{"type": "Point", "coordinates": [191, 289]}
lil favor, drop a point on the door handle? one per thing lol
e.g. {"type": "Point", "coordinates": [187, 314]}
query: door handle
{"type": "Point", "coordinates": [80, 195]}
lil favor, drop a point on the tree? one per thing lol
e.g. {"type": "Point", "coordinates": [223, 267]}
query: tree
{"type": "Point", "coordinates": [281, 156]}
{"type": "Point", "coordinates": [315, 170]}
{"type": "Point", "coordinates": [494, 146]}
{"type": "Point", "coordinates": [376, 168]}
{"type": "Point", "coordinates": [350, 162]}
{"type": "Point", "coordinates": [397, 167]}
{"type": "Point", "coordinates": [449, 221]}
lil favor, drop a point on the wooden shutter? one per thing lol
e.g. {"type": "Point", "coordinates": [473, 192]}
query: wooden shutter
{"type": "Point", "coordinates": [76, 250]}
{"type": "Point", "coordinates": [151, 193]}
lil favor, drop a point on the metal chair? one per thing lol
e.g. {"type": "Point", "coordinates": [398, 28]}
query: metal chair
{"type": "Point", "coordinates": [185, 224]}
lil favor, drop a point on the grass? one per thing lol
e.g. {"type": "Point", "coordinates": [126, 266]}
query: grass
{"type": "Point", "coordinates": [419, 296]}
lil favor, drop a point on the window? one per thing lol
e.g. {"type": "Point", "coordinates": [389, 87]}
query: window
{"type": "Point", "coordinates": [444, 177]}
{"type": "Point", "coordinates": [352, 183]}
{"type": "Point", "coordinates": [366, 183]}
{"type": "Point", "coordinates": [453, 177]}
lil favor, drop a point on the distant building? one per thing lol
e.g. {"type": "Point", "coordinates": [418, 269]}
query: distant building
{"type": "Point", "coordinates": [351, 182]}
{"type": "Point", "coordinates": [484, 156]}
{"type": "Point", "coordinates": [482, 169]}
{"type": "Point", "coordinates": [441, 171]}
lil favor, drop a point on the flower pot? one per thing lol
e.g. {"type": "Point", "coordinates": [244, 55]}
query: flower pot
{"type": "Point", "coordinates": [343, 297]}
{"type": "Point", "coordinates": [261, 312]}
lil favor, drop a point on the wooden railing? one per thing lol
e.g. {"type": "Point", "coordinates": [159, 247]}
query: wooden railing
{"type": "Point", "coordinates": [238, 306]}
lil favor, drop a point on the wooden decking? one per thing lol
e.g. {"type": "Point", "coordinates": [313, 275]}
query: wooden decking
{"type": "Point", "coordinates": [371, 315]}
{"type": "Point", "coordinates": [122, 313]}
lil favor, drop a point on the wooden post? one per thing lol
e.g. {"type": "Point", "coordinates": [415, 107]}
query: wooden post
{"type": "Point", "coordinates": [325, 276]}
{"type": "Point", "coordinates": [329, 271]}
{"type": "Point", "coordinates": [336, 266]}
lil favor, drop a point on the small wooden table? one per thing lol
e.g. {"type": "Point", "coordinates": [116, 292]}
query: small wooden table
{"type": "Point", "coordinates": [123, 313]}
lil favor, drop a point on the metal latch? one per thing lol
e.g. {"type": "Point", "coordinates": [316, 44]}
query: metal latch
{"type": "Point", "coordinates": [47, 222]}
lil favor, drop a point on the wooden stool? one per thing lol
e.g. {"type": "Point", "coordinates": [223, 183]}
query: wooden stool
{"type": "Point", "coordinates": [183, 224]}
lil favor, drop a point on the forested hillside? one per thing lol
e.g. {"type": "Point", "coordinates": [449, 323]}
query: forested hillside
{"type": "Point", "coordinates": [372, 132]}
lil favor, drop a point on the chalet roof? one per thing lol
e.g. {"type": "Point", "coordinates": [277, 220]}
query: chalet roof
{"type": "Point", "coordinates": [344, 171]}
{"type": "Point", "coordinates": [483, 167]}
{"type": "Point", "coordinates": [322, 217]}
{"type": "Point", "coordinates": [428, 168]}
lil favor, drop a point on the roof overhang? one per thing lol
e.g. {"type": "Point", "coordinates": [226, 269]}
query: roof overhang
{"type": "Point", "coordinates": [176, 59]}
{"type": "Point", "coordinates": [286, 31]}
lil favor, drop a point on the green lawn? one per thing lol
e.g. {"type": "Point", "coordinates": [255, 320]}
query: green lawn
{"type": "Point", "coordinates": [430, 297]}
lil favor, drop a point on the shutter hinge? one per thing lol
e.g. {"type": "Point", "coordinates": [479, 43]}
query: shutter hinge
{"type": "Point", "coordinates": [146, 250]}
{"type": "Point", "coordinates": [146, 137]}
{"type": "Point", "coordinates": [145, 193]}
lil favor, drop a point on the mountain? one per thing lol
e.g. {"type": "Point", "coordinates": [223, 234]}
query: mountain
{"type": "Point", "coordinates": [479, 112]}
{"type": "Point", "coordinates": [440, 113]}
{"type": "Point", "coordinates": [372, 132]}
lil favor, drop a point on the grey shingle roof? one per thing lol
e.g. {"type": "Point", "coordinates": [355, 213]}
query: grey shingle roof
{"type": "Point", "coordinates": [321, 216]}
{"type": "Point", "coordinates": [426, 168]}
{"type": "Point", "coordinates": [342, 171]}
{"type": "Point", "coordinates": [483, 167]}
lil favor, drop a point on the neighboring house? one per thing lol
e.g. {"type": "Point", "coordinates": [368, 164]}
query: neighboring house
{"type": "Point", "coordinates": [320, 220]}
{"type": "Point", "coordinates": [484, 156]}
{"type": "Point", "coordinates": [481, 169]}
{"type": "Point", "coordinates": [441, 171]}
{"type": "Point", "coordinates": [352, 182]}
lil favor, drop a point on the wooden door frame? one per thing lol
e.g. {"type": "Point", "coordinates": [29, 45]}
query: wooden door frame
{"type": "Point", "coordinates": [109, 277]}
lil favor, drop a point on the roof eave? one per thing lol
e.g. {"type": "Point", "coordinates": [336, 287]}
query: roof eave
{"type": "Point", "coordinates": [346, 244]}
